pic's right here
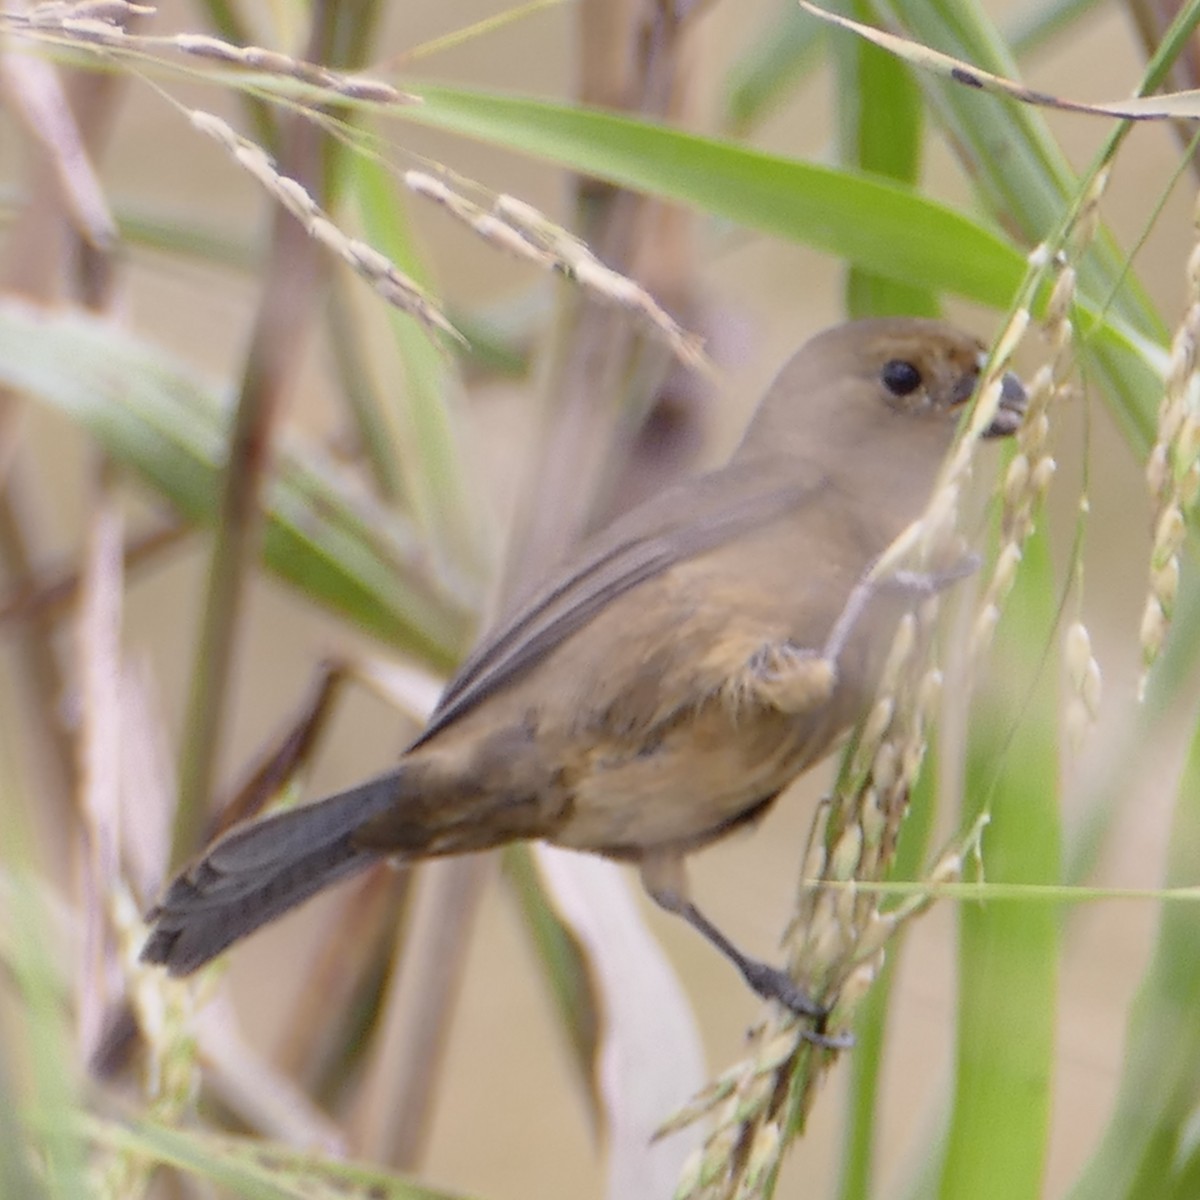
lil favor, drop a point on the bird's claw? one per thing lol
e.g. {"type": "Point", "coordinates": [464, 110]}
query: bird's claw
{"type": "Point", "coordinates": [773, 984]}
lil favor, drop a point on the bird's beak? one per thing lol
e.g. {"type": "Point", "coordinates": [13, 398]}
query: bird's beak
{"type": "Point", "coordinates": [1011, 409]}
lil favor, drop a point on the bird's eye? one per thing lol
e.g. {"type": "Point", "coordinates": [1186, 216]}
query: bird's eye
{"type": "Point", "coordinates": [900, 377]}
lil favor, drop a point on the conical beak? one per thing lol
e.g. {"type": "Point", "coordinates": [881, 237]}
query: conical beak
{"type": "Point", "coordinates": [1012, 407]}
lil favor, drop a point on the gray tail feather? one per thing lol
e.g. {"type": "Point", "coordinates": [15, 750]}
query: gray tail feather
{"type": "Point", "coordinates": [257, 872]}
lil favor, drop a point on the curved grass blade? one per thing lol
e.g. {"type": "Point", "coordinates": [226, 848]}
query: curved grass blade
{"type": "Point", "coordinates": [1168, 107]}
{"type": "Point", "coordinates": [321, 533]}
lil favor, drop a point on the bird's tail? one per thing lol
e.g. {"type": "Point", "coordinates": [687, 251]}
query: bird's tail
{"type": "Point", "coordinates": [258, 871]}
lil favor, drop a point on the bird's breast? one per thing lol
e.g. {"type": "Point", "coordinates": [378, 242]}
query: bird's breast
{"type": "Point", "coordinates": [690, 781]}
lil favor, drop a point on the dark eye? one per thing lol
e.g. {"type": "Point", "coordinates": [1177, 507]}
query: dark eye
{"type": "Point", "coordinates": [900, 377]}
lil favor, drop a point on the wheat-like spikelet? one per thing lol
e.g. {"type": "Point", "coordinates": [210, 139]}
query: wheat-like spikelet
{"type": "Point", "coordinates": [100, 25]}
{"type": "Point", "coordinates": [510, 223]}
{"type": "Point", "coordinates": [1028, 476]}
{"type": "Point", "coordinates": [760, 1103]}
{"type": "Point", "coordinates": [378, 270]}
{"type": "Point", "coordinates": [272, 62]}
{"type": "Point", "coordinates": [1083, 674]}
{"type": "Point", "coordinates": [1031, 470]}
{"type": "Point", "coordinates": [838, 935]}
{"type": "Point", "coordinates": [523, 230]}
{"type": "Point", "coordinates": [1173, 471]}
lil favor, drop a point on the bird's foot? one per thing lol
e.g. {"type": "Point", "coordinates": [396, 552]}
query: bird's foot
{"type": "Point", "coordinates": [773, 984]}
{"type": "Point", "coordinates": [930, 583]}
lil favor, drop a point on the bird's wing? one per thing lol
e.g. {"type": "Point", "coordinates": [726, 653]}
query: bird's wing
{"type": "Point", "coordinates": [680, 523]}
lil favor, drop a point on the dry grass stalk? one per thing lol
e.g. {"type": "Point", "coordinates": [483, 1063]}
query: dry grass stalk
{"type": "Point", "coordinates": [112, 923]}
{"type": "Point", "coordinates": [53, 14]}
{"type": "Point", "coordinates": [37, 97]}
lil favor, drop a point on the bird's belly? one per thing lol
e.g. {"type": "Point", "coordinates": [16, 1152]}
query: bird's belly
{"type": "Point", "coordinates": [687, 789]}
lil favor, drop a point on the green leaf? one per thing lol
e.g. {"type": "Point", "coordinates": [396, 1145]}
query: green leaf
{"type": "Point", "coordinates": [16, 1174]}
{"type": "Point", "coordinates": [873, 223]}
{"type": "Point", "coordinates": [783, 53]}
{"type": "Point", "coordinates": [36, 1132]}
{"type": "Point", "coordinates": [564, 968]}
{"type": "Point", "coordinates": [868, 221]}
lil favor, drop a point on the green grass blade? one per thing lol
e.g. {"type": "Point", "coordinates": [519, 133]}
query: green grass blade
{"type": "Point", "coordinates": [866, 220]}
{"type": "Point", "coordinates": [16, 1176]}
{"type": "Point", "coordinates": [1000, 1121]}
{"type": "Point", "coordinates": [424, 435]}
{"type": "Point", "coordinates": [564, 967]}
{"type": "Point", "coordinates": [39, 1109]}
{"type": "Point", "coordinates": [870, 1029]}
{"type": "Point", "coordinates": [873, 223]}
{"type": "Point", "coordinates": [1153, 1120]}
{"type": "Point", "coordinates": [763, 75]}
{"type": "Point", "coordinates": [880, 123]}
{"type": "Point", "coordinates": [1016, 165]}
{"type": "Point", "coordinates": [46, 1038]}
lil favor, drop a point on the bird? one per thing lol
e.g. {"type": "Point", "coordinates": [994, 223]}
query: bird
{"type": "Point", "coordinates": [664, 684]}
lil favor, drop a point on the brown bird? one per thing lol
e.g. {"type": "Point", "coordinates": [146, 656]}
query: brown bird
{"type": "Point", "coordinates": [665, 684]}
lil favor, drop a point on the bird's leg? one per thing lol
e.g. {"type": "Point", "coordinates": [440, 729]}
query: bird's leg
{"type": "Point", "coordinates": [664, 878]}
{"type": "Point", "coordinates": [771, 983]}
{"type": "Point", "coordinates": [913, 583]}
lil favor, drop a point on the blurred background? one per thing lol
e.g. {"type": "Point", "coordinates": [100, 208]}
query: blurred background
{"type": "Point", "coordinates": [505, 1114]}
